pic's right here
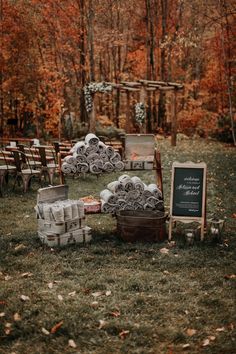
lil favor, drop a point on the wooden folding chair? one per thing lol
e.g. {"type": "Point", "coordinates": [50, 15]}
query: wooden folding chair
{"type": "Point", "coordinates": [24, 170]}
{"type": "Point", "coordinates": [48, 168]}
{"type": "Point", "coordinates": [5, 170]}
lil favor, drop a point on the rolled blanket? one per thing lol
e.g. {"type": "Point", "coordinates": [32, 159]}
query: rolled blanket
{"type": "Point", "coordinates": [115, 186]}
{"type": "Point", "coordinates": [90, 149]}
{"type": "Point", "coordinates": [108, 167]}
{"type": "Point", "coordinates": [148, 207]}
{"type": "Point", "coordinates": [80, 158]}
{"type": "Point", "coordinates": [119, 166]}
{"type": "Point", "coordinates": [139, 185]}
{"type": "Point", "coordinates": [91, 139]}
{"type": "Point", "coordinates": [127, 207]}
{"type": "Point", "coordinates": [121, 203]}
{"type": "Point", "coordinates": [132, 195]}
{"type": "Point", "coordinates": [69, 159]}
{"type": "Point", "coordinates": [107, 207]}
{"type": "Point", "coordinates": [91, 158]}
{"type": "Point", "coordinates": [101, 147]}
{"type": "Point", "coordinates": [110, 151]}
{"type": "Point", "coordinates": [82, 167]}
{"type": "Point", "coordinates": [108, 196]}
{"type": "Point", "coordinates": [137, 206]}
{"type": "Point", "coordinates": [152, 201]}
{"type": "Point", "coordinates": [127, 184]}
{"type": "Point", "coordinates": [115, 158]}
{"type": "Point", "coordinates": [104, 157]}
{"type": "Point", "coordinates": [79, 148]}
{"type": "Point", "coordinates": [120, 178]}
{"type": "Point", "coordinates": [155, 190]}
{"type": "Point", "coordinates": [160, 205]}
{"type": "Point", "coordinates": [94, 168]}
{"type": "Point", "coordinates": [121, 194]}
{"type": "Point", "coordinates": [147, 193]}
{"type": "Point", "coordinates": [68, 168]}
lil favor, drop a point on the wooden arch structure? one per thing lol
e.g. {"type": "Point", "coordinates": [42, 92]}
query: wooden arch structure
{"type": "Point", "coordinates": [143, 87]}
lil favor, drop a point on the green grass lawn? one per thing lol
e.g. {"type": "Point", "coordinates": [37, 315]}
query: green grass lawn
{"type": "Point", "coordinates": [115, 297]}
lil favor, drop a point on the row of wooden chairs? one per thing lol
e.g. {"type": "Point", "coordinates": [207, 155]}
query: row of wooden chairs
{"type": "Point", "coordinates": [24, 163]}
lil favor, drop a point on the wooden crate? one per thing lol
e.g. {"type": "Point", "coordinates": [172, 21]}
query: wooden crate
{"type": "Point", "coordinates": [79, 236]}
{"type": "Point", "coordinates": [61, 227]}
{"type": "Point", "coordinates": [139, 151]}
{"type": "Point", "coordinates": [64, 232]}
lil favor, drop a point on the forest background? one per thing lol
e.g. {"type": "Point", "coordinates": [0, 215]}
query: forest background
{"type": "Point", "coordinates": [51, 49]}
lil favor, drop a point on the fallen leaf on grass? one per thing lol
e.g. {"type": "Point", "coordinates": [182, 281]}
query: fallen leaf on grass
{"type": "Point", "coordinates": [115, 313]}
{"type": "Point", "coordinates": [17, 317]}
{"type": "Point", "coordinates": [230, 276]}
{"type": "Point", "coordinates": [73, 293]}
{"type": "Point", "coordinates": [185, 346]}
{"type": "Point", "coordinates": [45, 331]}
{"type": "Point", "coordinates": [50, 285]}
{"type": "Point", "coordinates": [24, 298]}
{"type": "Point", "coordinates": [212, 338]}
{"type": "Point", "coordinates": [108, 293]}
{"type": "Point", "coordinates": [97, 294]}
{"type": "Point", "coordinates": [206, 342]}
{"type": "Point", "coordinates": [7, 277]}
{"type": "Point", "coordinates": [221, 329]}
{"type": "Point", "coordinates": [191, 332]}
{"type": "Point", "coordinates": [60, 297]}
{"type": "Point", "coordinates": [20, 247]}
{"type": "Point", "coordinates": [26, 275]}
{"type": "Point", "coordinates": [94, 304]}
{"type": "Point", "coordinates": [102, 324]}
{"type": "Point", "coordinates": [2, 314]}
{"type": "Point", "coordinates": [123, 334]}
{"type": "Point", "coordinates": [57, 326]}
{"type": "Point", "coordinates": [71, 343]}
{"type": "Point", "coordinates": [7, 328]}
{"type": "Point", "coordinates": [164, 250]}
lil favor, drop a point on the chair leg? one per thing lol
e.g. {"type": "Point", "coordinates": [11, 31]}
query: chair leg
{"type": "Point", "coordinates": [51, 172]}
{"type": "Point", "coordinates": [2, 176]}
{"type": "Point", "coordinates": [26, 180]}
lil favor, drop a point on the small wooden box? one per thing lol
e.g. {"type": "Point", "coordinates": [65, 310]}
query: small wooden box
{"type": "Point", "coordinates": [139, 151]}
{"type": "Point", "coordinates": [60, 233]}
{"type": "Point", "coordinates": [60, 227]}
{"type": "Point", "coordinates": [52, 239]}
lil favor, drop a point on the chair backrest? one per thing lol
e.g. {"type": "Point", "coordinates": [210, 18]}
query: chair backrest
{"type": "Point", "coordinates": [20, 157]}
{"type": "Point", "coordinates": [7, 157]}
{"type": "Point", "coordinates": [21, 148]}
{"type": "Point", "coordinates": [42, 154]}
{"type": "Point", "coordinates": [16, 155]}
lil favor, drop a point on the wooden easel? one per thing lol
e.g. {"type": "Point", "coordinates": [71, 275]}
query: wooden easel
{"type": "Point", "coordinates": [187, 215]}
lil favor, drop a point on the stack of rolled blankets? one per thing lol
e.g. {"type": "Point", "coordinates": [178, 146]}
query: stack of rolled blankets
{"type": "Point", "coordinates": [91, 155]}
{"type": "Point", "coordinates": [61, 222]}
{"type": "Point", "coordinates": [130, 193]}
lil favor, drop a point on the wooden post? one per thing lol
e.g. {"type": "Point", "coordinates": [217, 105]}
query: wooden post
{"type": "Point", "coordinates": [92, 116]}
{"type": "Point", "coordinates": [174, 121]}
{"type": "Point", "coordinates": [159, 171]}
{"type": "Point", "coordinates": [127, 121]}
{"type": "Point", "coordinates": [142, 98]}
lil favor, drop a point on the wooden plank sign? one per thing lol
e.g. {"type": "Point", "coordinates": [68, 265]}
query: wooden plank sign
{"type": "Point", "coordinates": [188, 194]}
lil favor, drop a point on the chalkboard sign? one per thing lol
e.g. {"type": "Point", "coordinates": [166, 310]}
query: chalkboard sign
{"type": "Point", "coordinates": [188, 192]}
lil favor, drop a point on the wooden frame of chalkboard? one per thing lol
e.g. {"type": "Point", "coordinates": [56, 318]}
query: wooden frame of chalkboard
{"type": "Point", "coordinates": [188, 194]}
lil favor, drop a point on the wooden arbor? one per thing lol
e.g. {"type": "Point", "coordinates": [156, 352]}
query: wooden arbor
{"type": "Point", "coordinates": [143, 87]}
